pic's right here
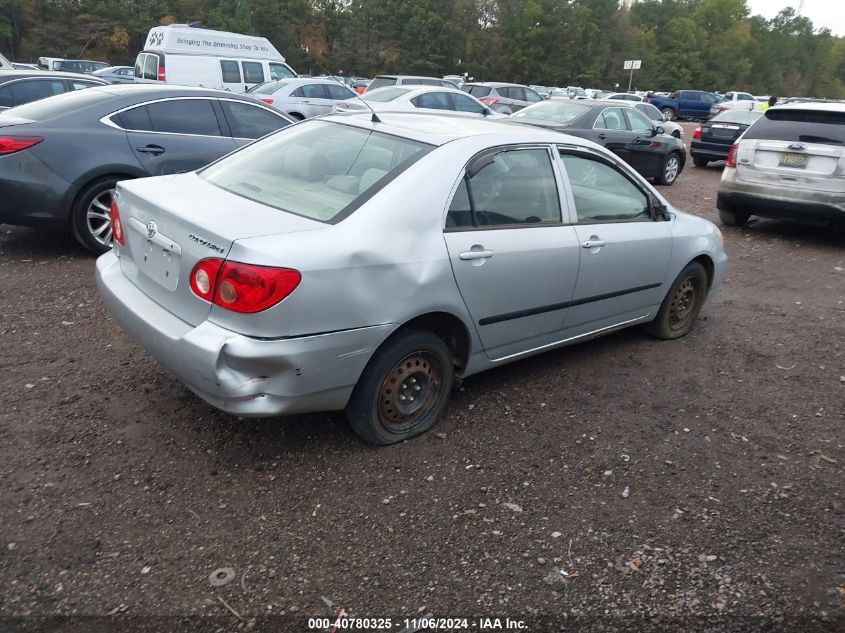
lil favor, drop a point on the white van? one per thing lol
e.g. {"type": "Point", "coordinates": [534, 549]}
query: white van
{"type": "Point", "coordinates": [187, 56]}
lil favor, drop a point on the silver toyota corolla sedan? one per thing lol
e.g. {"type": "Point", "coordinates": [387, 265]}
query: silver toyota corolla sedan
{"type": "Point", "coordinates": [365, 263]}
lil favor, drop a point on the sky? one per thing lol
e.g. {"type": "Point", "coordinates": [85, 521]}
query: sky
{"type": "Point", "coordinates": [823, 13]}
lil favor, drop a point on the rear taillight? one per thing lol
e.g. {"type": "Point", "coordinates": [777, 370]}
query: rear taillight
{"type": "Point", "coordinates": [360, 90]}
{"type": "Point", "coordinates": [731, 159]}
{"type": "Point", "coordinates": [270, 101]}
{"type": "Point", "coordinates": [242, 287]}
{"type": "Point", "coordinates": [489, 100]}
{"type": "Point", "coordinates": [161, 74]}
{"type": "Point", "coordinates": [116, 224]}
{"type": "Point", "coordinates": [12, 144]}
{"type": "Point", "coordinates": [697, 132]}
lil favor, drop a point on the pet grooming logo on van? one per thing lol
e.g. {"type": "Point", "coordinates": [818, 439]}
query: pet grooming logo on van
{"type": "Point", "coordinates": [155, 38]}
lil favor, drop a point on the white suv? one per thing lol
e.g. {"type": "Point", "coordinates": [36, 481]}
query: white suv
{"type": "Point", "coordinates": [789, 164]}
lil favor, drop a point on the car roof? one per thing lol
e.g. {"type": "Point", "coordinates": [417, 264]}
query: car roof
{"type": "Point", "coordinates": [829, 106]}
{"type": "Point", "coordinates": [23, 74]}
{"type": "Point", "coordinates": [165, 90]}
{"type": "Point", "coordinates": [439, 129]}
{"type": "Point", "coordinates": [408, 77]}
{"type": "Point", "coordinates": [495, 84]}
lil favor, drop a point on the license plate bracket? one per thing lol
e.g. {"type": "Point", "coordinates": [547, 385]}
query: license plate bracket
{"type": "Point", "coordinates": [793, 160]}
{"type": "Point", "coordinates": [159, 264]}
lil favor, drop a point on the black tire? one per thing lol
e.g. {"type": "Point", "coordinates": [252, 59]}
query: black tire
{"type": "Point", "coordinates": [90, 231]}
{"type": "Point", "coordinates": [699, 162]}
{"type": "Point", "coordinates": [676, 134]}
{"type": "Point", "coordinates": [410, 365]}
{"type": "Point", "coordinates": [669, 113]}
{"type": "Point", "coordinates": [733, 217]}
{"type": "Point", "coordinates": [681, 305]}
{"type": "Point", "coordinates": [670, 170]}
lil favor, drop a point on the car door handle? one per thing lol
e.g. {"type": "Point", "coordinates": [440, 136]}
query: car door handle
{"type": "Point", "coordinates": [602, 136]}
{"type": "Point", "coordinates": [306, 101]}
{"type": "Point", "coordinates": [468, 255]}
{"type": "Point", "coordinates": [155, 150]}
{"type": "Point", "coordinates": [593, 243]}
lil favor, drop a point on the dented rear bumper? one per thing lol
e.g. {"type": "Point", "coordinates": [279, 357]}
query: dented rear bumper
{"type": "Point", "coordinates": [242, 375]}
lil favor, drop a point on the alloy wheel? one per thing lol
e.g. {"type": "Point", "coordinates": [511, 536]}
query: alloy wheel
{"type": "Point", "coordinates": [97, 218]}
{"type": "Point", "coordinates": [670, 172]}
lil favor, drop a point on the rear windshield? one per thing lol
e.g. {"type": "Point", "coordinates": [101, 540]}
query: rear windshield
{"type": "Point", "coordinates": [741, 117]}
{"type": "Point", "coordinates": [383, 95]}
{"type": "Point", "coordinates": [477, 91]}
{"type": "Point", "coordinates": [805, 126]}
{"type": "Point", "coordinates": [60, 104]}
{"type": "Point", "coordinates": [319, 170]}
{"type": "Point", "coordinates": [381, 82]}
{"type": "Point", "coordinates": [557, 111]}
{"type": "Point", "coordinates": [266, 88]}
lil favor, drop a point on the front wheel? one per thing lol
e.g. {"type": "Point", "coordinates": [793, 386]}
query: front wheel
{"type": "Point", "coordinates": [733, 217]}
{"type": "Point", "coordinates": [404, 389]}
{"type": "Point", "coordinates": [681, 305]}
{"type": "Point", "coordinates": [90, 221]}
{"type": "Point", "coordinates": [669, 113]}
{"type": "Point", "coordinates": [671, 170]}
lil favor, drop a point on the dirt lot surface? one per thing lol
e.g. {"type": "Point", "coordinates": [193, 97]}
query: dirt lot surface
{"type": "Point", "coordinates": [687, 485]}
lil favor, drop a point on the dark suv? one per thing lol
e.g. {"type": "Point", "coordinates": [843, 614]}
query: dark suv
{"type": "Point", "coordinates": [501, 97]}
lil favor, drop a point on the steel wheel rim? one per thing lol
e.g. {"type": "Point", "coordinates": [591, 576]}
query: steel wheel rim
{"type": "Point", "coordinates": [409, 391]}
{"type": "Point", "coordinates": [671, 171]}
{"type": "Point", "coordinates": [683, 304]}
{"type": "Point", "coordinates": [97, 218]}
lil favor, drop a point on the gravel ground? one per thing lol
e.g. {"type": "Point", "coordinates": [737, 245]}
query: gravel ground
{"type": "Point", "coordinates": [625, 483]}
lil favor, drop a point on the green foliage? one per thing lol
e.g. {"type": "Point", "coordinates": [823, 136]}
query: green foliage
{"type": "Point", "coordinates": [707, 44]}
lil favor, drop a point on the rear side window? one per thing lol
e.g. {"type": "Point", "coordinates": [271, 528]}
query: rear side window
{"type": "Point", "coordinates": [26, 91]}
{"type": "Point", "coordinates": [135, 119]}
{"type": "Point", "coordinates": [478, 91]}
{"type": "Point", "coordinates": [381, 82]}
{"type": "Point", "coordinates": [514, 187]}
{"type": "Point", "coordinates": [253, 72]}
{"type": "Point", "coordinates": [803, 126]}
{"type": "Point", "coordinates": [46, 109]}
{"type": "Point", "coordinates": [267, 88]}
{"type": "Point", "coordinates": [311, 91]}
{"type": "Point", "coordinates": [231, 71]}
{"type": "Point", "coordinates": [386, 94]}
{"type": "Point", "coordinates": [184, 116]}
{"type": "Point", "coordinates": [433, 100]}
{"type": "Point", "coordinates": [249, 121]}
{"type": "Point", "coordinates": [6, 97]}
{"type": "Point", "coordinates": [317, 169]}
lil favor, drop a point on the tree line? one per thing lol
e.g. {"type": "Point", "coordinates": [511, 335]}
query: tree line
{"type": "Point", "coordinates": [703, 44]}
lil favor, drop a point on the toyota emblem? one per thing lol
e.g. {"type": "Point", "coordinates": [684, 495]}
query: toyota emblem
{"type": "Point", "coordinates": [152, 229]}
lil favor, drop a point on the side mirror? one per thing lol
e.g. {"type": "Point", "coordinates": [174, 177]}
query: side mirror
{"type": "Point", "coordinates": [661, 211]}
{"type": "Point", "coordinates": [658, 130]}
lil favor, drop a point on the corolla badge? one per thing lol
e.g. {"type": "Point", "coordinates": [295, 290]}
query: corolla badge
{"type": "Point", "coordinates": [204, 242]}
{"type": "Point", "coordinates": [152, 229]}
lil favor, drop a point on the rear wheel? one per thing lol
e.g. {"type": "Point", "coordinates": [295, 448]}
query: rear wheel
{"type": "Point", "coordinates": [669, 113]}
{"type": "Point", "coordinates": [671, 169]}
{"type": "Point", "coordinates": [699, 162]}
{"type": "Point", "coordinates": [403, 390]}
{"type": "Point", "coordinates": [733, 217]}
{"type": "Point", "coordinates": [682, 304]}
{"type": "Point", "coordinates": [90, 222]}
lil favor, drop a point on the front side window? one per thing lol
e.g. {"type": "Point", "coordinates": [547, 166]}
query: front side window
{"type": "Point", "coordinates": [139, 65]}
{"type": "Point", "coordinates": [638, 122]}
{"type": "Point", "coordinates": [433, 101]}
{"type": "Point", "coordinates": [650, 111]}
{"type": "Point", "coordinates": [602, 193]}
{"type": "Point", "coordinates": [708, 98]}
{"type": "Point", "coordinates": [532, 96]}
{"type": "Point", "coordinates": [281, 71]}
{"type": "Point", "coordinates": [231, 71]}
{"type": "Point", "coordinates": [318, 169]}
{"type": "Point", "coordinates": [516, 93]}
{"type": "Point", "coordinates": [250, 121]}
{"type": "Point", "coordinates": [339, 93]}
{"type": "Point", "coordinates": [184, 116]}
{"type": "Point", "coordinates": [466, 104]}
{"type": "Point", "coordinates": [478, 91]}
{"type": "Point", "coordinates": [253, 72]}
{"type": "Point", "coordinates": [507, 188]}
{"type": "Point", "coordinates": [81, 85]}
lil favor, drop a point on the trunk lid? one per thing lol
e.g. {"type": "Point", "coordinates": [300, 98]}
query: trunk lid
{"type": "Point", "coordinates": [816, 166]}
{"type": "Point", "coordinates": [171, 223]}
{"type": "Point", "coordinates": [724, 133]}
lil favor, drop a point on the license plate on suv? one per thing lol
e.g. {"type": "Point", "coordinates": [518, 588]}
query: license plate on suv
{"type": "Point", "coordinates": [796, 161]}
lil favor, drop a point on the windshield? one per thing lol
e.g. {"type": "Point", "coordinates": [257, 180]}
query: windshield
{"type": "Point", "coordinates": [318, 169]}
{"type": "Point", "coordinates": [804, 126]}
{"type": "Point", "coordinates": [383, 95]}
{"type": "Point", "coordinates": [557, 111]}
{"type": "Point", "coordinates": [742, 117]}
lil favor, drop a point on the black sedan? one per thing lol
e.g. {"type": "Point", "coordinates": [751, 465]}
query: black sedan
{"type": "Point", "coordinates": [61, 157]}
{"type": "Point", "coordinates": [712, 140]}
{"type": "Point", "coordinates": [623, 130]}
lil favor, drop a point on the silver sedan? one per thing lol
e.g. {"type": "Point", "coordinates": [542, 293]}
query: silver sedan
{"type": "Point", "coordinates": [360, 264]}
{"type": "Point", "coordinates": [302, 98]}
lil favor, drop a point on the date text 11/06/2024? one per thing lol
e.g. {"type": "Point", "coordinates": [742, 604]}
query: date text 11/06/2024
{"type": "Point", "coordinates": [409, 625]}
